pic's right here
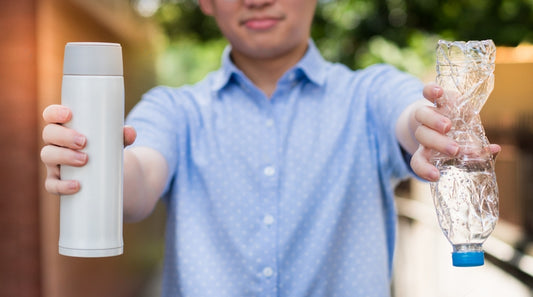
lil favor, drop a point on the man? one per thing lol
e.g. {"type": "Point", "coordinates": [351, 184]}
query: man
{"type": "Point", "coordinates": [278, 169]}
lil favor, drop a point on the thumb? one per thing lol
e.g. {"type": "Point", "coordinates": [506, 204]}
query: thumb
{"type": "Point", "coordinates": [129, 135]}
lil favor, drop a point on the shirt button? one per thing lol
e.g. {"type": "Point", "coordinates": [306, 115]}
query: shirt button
{"type": "Point", "coordinates": [269, 123]}
{"type": "Point", "coordinates": [269, 171]}
{"type": "Point", "coordinates": [268, 220]}
{"type": "Point", "coordinates": [268, 272]}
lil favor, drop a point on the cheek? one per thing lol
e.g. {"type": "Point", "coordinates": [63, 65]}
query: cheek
{"type": "Point", "coordinates": [298, 30]}
{"type": "Point", "coordinates": [302, 17]}
{"type": "Point", "coordinates": [226, 28]}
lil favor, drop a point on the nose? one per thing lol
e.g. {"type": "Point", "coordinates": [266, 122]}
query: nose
{"type": "Point", "coordinates": [258, 3]}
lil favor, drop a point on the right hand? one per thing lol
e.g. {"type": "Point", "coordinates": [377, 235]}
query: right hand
{"type": "Point", "coordinates": [62, 146]}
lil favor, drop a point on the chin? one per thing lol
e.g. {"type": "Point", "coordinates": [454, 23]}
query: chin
{"type": "Point", "coordinates": [267, 50]}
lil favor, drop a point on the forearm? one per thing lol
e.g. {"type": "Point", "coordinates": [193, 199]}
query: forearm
{"type": "Point", "coordinates": [144, 176]}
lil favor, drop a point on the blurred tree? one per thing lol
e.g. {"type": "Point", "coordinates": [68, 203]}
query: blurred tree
{"type": "Point", "coordinates": [183, 19]}
{"type": "Point", "coordinates": [362, 32]}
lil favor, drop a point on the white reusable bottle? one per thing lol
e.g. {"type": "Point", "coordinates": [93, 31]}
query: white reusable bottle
{"type": "Point", "coordinates": [93, 88]}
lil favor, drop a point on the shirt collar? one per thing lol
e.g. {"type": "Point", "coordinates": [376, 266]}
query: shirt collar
{"type": "Point", "coordinates": [312, 66]}
{"type": "Point", "coordinates": [227, 69]}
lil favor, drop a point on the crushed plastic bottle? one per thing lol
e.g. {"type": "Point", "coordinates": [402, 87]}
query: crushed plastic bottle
{"type": "Point", "coordinates": [466, 195]}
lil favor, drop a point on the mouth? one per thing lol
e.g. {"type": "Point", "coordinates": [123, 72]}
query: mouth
{"type": "Point", "coordinates": [261, 23]}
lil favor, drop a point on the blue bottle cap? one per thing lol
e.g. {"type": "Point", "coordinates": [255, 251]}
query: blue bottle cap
{"type": "Point", "coordinates": [468, 259]}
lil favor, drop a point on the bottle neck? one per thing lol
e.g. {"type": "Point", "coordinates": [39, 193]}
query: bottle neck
{"type": "Point", "coordinates": [467, 247]}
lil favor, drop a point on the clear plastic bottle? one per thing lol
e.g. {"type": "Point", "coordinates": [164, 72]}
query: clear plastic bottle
{"type": "Point", "coordinates": [466, 195]}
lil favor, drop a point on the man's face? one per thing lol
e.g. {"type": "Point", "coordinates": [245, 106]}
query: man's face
{"type": "Point", "coordinates": [262, 28]}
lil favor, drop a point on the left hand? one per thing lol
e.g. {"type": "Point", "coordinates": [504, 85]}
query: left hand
{"type": "Point", "coordinates": [431, 135]}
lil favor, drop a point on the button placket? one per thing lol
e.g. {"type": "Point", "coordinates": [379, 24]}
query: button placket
{"type": "Point", "coordinates": [269, 174]}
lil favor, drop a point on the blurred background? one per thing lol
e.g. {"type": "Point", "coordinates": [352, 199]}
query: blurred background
{"type": "Point", "coordinates": [170, 42]}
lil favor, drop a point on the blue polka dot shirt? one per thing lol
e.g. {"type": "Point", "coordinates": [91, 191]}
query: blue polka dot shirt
{"type": "Point", "coordinates": [290, 195]}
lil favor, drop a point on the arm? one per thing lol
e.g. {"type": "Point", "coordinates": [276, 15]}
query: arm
{"type": "Point", "coordinates": [145, 169]}
{"type": "Point", "coordinates": [145, 173]}
{"type": "Point", "coordinates": [421, 129]}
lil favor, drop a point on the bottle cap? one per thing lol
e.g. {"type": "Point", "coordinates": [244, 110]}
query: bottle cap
{"type": "Point", "coordinates": [93, 58]}
{"type": "Point", "coordinates": [468, 259]}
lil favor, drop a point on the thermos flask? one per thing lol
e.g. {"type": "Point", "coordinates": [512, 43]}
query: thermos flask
{"type": "Point", "coordinates": [93, 88]}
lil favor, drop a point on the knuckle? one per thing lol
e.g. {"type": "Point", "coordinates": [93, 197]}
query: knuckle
{"type": "Point", "coordinates": [51, 186]}
{"type": "Point", "coordinates": [46, 111]}
{"type": "Point", "coordinates": [417, 115]}
{"type": "Point", "coordinates": [412, 163]}
{"type": "Point", "coordinates": [49, 113]}
{"type": "Point", "coordinates": [46, 133]}
{"type": "Point", "coordinates": [419, 133]}
{"type": "Point", "coordinates": [58, 135]}
{"type": "Point", "coordinates": [51, 155]}
{"type": "Point", "coordinates": [55, 113]}
{"type": "Point", "coordinates": [51, 134]}
{"type": "Point", "coordinates": [415, 160]}
{"type": "Point", "coordinates": [45, 152]}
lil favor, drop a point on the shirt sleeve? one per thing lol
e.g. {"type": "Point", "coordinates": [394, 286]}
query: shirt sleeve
{"type": "Point", "coordinates": [158, 121]}
{"type": "Point", "coordinates": [391, 92]}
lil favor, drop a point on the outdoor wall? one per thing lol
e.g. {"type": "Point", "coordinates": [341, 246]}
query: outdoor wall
{"type": "Point", "coordinates": [19, 190]}
{"type": "Point", "coordinates": [32, 39]}
{"type": "Point", "coordinates": [508, 120]}
{"type": "Point", "coordinates": [59, 22]}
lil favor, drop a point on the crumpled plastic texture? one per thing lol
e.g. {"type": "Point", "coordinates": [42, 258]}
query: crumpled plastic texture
{"type": "Point", "coordinates": [466, 196]}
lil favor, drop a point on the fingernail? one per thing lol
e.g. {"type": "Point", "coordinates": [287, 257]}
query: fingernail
{"type": "Point", "coordinates": [79, 140]}
{"type": "Point", "coordinates": [72, 185]}
{"type": "Point", "coordinates": [444, 125]}
{"type": "Point", "coordinates": [436, 91]}
{"type": "Point", "coordinates": [452, 149]}
{"type": "Point", "coordinates": [81, 157]}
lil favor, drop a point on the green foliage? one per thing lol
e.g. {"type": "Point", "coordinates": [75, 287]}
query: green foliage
{"type": "Point", "coordinates": [186, 61]}
{"type": "Point", "coordinates": [357, 32]}
{"type": "Point", "coordinates": [404, 32]}
{"type": "Point", "coordinates": [183, 19]}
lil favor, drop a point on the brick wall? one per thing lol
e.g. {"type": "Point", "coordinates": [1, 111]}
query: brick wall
{"type": "Point", "coordinates": [33, 34]}
{"type": "Point", "coordinates": [19, 190]}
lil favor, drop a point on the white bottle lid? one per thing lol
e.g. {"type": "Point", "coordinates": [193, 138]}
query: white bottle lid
{"type": "Point", "coordinates": [93, 58]}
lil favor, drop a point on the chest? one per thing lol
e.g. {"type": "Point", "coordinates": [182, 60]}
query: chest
{"type": "Point", "coordinates": [301, 136]}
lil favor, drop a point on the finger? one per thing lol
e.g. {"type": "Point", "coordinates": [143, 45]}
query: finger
{"type": "Point", "coordinates": [54, 155]}
{"type": "Point", "coordinates": [56, 113]}
{"type": "Point", "coordinates": [52, 171]}
{"type": "Point", "coordinates": [421, 165]}
{"type": "Point", "coordinates": [434, 140]}
{"type": "Point", "coordinates": [432, 92]}
{"type": "Point", "coordinates": [61, 187]}
{"type": "Point", "coordinates": [129, 135]}
{"type": "Point", "coordinates": [429, 117]}
{"type": "Point", "coordinates": [495, 150]}
{"type": "Point", "coordinates": [62, 136]}
{"type": "Point", "coordinates": [54, 185]}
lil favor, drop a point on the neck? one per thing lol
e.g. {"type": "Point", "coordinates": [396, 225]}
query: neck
{"type": "Point", "coordinates": [266, 72]}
